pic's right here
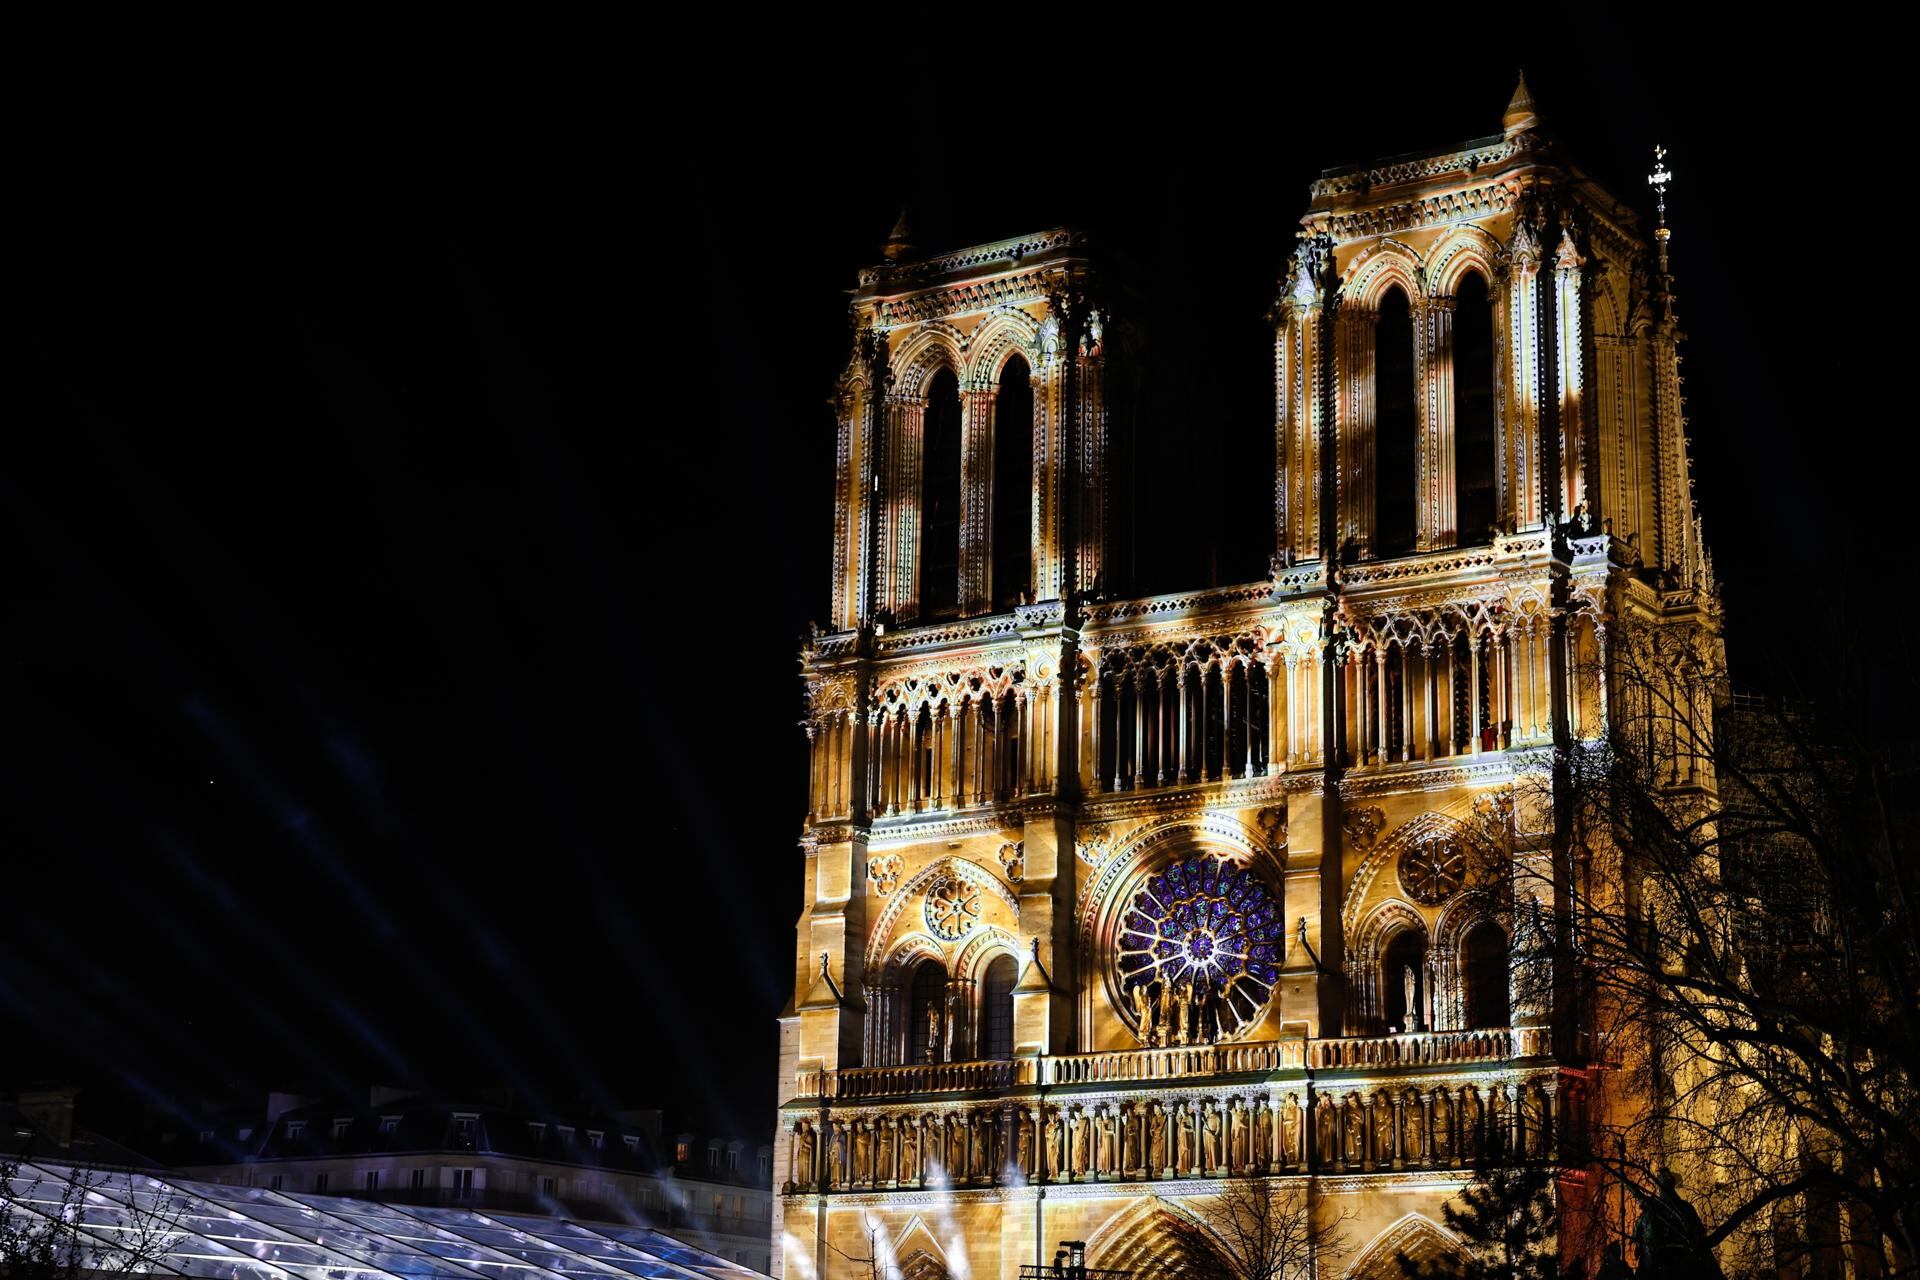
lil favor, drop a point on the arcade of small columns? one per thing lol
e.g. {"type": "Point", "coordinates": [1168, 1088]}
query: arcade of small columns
{"type": "Point", "coordinates": [1364, 1126]}
{"type": "Point", "coordinates": [1417, 686]}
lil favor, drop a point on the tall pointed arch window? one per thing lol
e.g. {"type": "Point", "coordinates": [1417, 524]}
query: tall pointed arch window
{"type": "Point", "coordinates": [940, 499]}
{"type": "Point", "coordinates": [1485, 948]}
{"type": "Point", "coordinates": [1394, 483]}
{"type": "Point", "coordinates": [996, 1011]}
{"type": "Point", "coordinates": [1013, 485]}
{"type": "Point", "coordinates": [1474, 446]}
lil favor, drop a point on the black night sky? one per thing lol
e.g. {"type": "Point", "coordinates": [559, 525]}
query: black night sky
{"type": "Point", "coordinates": [412, 524]}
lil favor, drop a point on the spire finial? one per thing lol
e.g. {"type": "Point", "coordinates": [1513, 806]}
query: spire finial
{"type": "Point", "coordinates": [1660, 179]}
{"type": "Point", "coordinates": [1521, 114]}
{"type": "Point", "coordinates": [900, 243]}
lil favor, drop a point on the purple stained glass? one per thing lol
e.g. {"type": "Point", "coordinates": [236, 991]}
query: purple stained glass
{"type": "Point", "coordinates": [1207, 922]}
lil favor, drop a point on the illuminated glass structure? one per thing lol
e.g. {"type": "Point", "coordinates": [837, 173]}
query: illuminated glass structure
{"type": "Point", "coordinates": [163, 1225]}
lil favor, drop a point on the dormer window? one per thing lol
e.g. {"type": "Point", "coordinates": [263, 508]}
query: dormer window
{"type": "Point", "coordinates": [341, 1125]}
{"type": "Point", "coordinates": [566, 1135]}
{"type": "Point", "coordinates": [632, 1140]}
{"type": "Point", "coordinates": [389, 1124]}
{"type": "Point", "coordinates": [597, 1139]}
{"type": "Point", "coordinates": [464, 1126]}
{"type": "Point", "coordinates": [537, 1130]}
{"type": "Point", "coordinates": [296, 1129]}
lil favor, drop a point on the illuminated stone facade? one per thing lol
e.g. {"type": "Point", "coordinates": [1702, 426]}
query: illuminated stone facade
{"type": "Point", "coordinates": [1110, 899]}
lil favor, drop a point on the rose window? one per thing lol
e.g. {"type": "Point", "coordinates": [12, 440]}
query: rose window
{"type": "Point", "coordinates": [953, 908]}
{"type": "Point", "coordinates": [1434, 871]}
{"type": "Point", "coordinates": [1207, 923]}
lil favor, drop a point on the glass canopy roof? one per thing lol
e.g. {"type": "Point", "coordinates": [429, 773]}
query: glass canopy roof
{"type": "Point", "coordinates": [171, 1226]}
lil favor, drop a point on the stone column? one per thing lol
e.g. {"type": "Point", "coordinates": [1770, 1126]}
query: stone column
{"type": "Point", "coordinates": [1094, 691]}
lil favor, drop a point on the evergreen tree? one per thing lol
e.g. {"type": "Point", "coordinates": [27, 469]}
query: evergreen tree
{"type": "Point", "coordinates": [1507, 1219]}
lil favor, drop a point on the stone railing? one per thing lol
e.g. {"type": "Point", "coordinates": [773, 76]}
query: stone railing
{"type": "Point", "coordinates": [919, 1077]}
{"type": "Point", "coordinates": [1171, 1063]}
{"type": "Point", "coordinates": [1428, 1048]}
{"type": "Point", "coordinates": [1200, 1061]}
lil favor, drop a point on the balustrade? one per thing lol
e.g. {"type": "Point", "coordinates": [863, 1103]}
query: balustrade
{"type": "Point", "coordinates": [1415, 1049]}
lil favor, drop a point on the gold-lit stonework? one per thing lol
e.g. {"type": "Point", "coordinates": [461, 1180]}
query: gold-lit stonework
{"type": "Point", "coordinates": [1119, 898]}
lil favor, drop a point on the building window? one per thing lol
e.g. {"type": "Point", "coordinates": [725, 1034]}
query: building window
{"type": "Point", "coordinates": [927, 996]}
{"type": "Point", "coordinates": [1013, 485]}
{"type": "Point", "coordinates": [997, 999]}
{"type": "Point", "coordinates": [766, 1165]}
{"type": "Point", "coordinates": [320, 1182]}
{"type": "Point", "coordinates": [463, 1129]}
{"type": "Point", "coordinates": [681, 1150]}
{"type": "Point", "coordinates": [597, 1139]}
{"type": "Point", "coordinates": [1475, 445]}
{"type": "Point", "coordinates": [549, 1186]}
{"type": "Point", "coordinates": [1486, 955]}
{"type": "Point", "coordinates": [295, 1129]}
{"type": "Point", "coordinates": [940, 498]}
{"type": "Point", "coordinates": [733, 1160]}
{"type": "Point", "coordinates": [1395, 486]}
{"type": "Point", "coordinates": [537, 1130]}
{"type": "Point", "coordinates": [246, 1134]}
{"type": "Point", "coordinates": [417, 1179]}
{"type": "Point", "coordinates": [463, 1184]}
{"type": "Point", "coordinates": [341, 1125]}
{"type": "Point", "coordinates": [273, 1183]}
{"type": "Point", "coordinates": [370, 1180]}
{"type": "Point", "coordinates": [632, 1140]}
{"type": "Point", "coordinates": [389, 1124]}
{"type": "Point", "coordinates": [719, 1205]}
{"type": "Point", "coordinates": [206, 1135]}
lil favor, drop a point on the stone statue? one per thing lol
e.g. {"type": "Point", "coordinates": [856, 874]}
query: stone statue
{"type": "Point", "coordinates": [1023, 1142]}
{"type": "Point", "coordinates": [1411, 985]}
{"type": "Point", "coordinates": [1212, 1156]}
{"type": "Point", "coordinates": [1354, 1150]}
{"type": "Point", "coordinates": [933, 1033]}
{"type": "Point", "coordinates": [1143, 1013]}
{"type": "Point", "coordinates": [1156, 1139]}
{"type": "Point", "coordinates": [1442, 1126]}
{"type": "Point", "coordinates": [1109, 1141]}
{"type": "Point", "coordinates": [1202, 1009]}
{"type": "Point", "coordinates": [1182, 1008]}
{"type": "Point", "coordinates": [1237, 1136]}
{"type": "Point", "coordinates": [1183, 1155]}
{"type": "Point", "coordinates": [1050, 1135]}
{"type": "Point", "coordinates": [982, 1145]}
{"type": "Point", "coordinates": [1668, 1234]}
{"type": "Point", "coordinates": [862, 1152]}
{"type": "Point", "coordinates": [909, 1153]}
{"type": "Point", "coordinates": [1164, 1032]}
{"type": "Point", "coordinates": [884, 1134]}
{"type": "Point", "coordinates": [1082, 1135]}
{"type": "Point", "coordinates": [838, 1173]}
{"type": "Point", "coordinates": [1130, 1155]}
{"type": "Point", "coordinates": [1326, 1130]}
{"type": "Point", "coordinates": [808, 1175]}
{"type": "Point", "coordinates": [956, 1147]}
{"type": "Point", "coordinates": [1290, 1131]}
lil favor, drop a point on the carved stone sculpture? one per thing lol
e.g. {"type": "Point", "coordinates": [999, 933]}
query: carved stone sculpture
{"type": "Point", "coordinates": [1156, 1139]}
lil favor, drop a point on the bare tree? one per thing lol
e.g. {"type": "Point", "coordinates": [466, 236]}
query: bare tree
{"type": "Point", "coordinates": [1258, 1229]}
{"type": "Point", "coordinates": [52, 1225]}
{"type": "Point", "coordinates": [1736, 940]}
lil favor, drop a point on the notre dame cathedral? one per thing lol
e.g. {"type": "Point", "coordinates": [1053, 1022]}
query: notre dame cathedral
{"type": "Point", "coordinates": [1112, 904]}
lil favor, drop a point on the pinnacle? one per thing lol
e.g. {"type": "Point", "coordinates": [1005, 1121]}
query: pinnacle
{"type": "Point", "coordinates": [1521, 114]}
{"type": "Point", "coordinates": [900, 243]}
